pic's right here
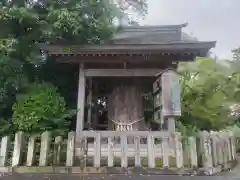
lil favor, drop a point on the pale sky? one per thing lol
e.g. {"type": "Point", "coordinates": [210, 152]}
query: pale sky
{"type": "Point", "coordinates": [208, 20]}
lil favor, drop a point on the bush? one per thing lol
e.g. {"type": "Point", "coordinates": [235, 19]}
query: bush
{"type": "Point", "coordinates": [5, 128]}
{"type": "Point", "coordinates": [40, 109]}
{"type": "Point", "coordinates": [186, 130]}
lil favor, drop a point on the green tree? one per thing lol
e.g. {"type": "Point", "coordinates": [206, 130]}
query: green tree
{"type": "Point", "coordinates": [234, 65]}
{"type": "Point", "coordinates": [26, 23]}
{"type": "Point", "coordinates": [206, 94]}
{"type": "Point", "coordinates": [12, 81]}
{"type": "Point", "coordinates": [41, 108]}
{"type": "Point", "coordinates": [236, 54]}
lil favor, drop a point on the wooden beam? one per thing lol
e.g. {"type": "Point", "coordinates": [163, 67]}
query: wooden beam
{"type": "Point", "coordinates": [81, 102]}
{"type": "Point", "coordinates": [138, 59]}
{"type": "Point", "coordinates": [122, 72]}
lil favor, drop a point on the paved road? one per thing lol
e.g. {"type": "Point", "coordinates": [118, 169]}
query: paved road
{"type": "Point", "coordinates": [233, 175]}
{"type": "Point", "coordinates": [114, 177]}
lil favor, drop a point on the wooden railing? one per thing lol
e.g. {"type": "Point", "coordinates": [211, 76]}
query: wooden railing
{"type": "Point", "coordinates": [110, 149]}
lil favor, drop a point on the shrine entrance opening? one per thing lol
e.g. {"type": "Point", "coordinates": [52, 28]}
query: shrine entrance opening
{"type": "Point", "coordinates": [114, 100]}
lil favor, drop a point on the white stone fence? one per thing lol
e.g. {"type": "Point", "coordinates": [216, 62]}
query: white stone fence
{"type": "Point", "coordinates": [211, 152]}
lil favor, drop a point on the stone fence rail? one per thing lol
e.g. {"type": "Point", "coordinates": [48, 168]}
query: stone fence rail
{"type": "Point", "coordinates": [98, 152]}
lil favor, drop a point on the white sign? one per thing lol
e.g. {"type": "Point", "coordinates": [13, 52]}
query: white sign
{"type": "Point", "coordinates": [171, 102]}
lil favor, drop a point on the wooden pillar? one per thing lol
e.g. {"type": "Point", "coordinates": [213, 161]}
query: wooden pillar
{"type": "Point", "coordinates": [89, 117]}
{"type": "Point", "coordinates": [80, 102]}
{"type": "Point", "coordinates": [94, 110]}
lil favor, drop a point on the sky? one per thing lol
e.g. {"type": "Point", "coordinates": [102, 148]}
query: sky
{"type": "Point", "coordinates": [208, 20]}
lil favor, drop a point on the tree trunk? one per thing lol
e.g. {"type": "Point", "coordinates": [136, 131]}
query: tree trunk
{"type": "Point", "coordinates": [125, 106]}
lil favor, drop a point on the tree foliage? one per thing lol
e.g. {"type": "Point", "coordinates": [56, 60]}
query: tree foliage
{"type": "Point", "coordinates": [207, 94]}
{"type": "Point", "coordinates": [40, 109]}
{"type": "Point", "coordinates": [234, 64]}
{"type": "Point", "coordinates": [15, 81]}
{"type": "Point", "coordinates": [211, 92]}
{"type": "Point", "coordinates": [25, 24]}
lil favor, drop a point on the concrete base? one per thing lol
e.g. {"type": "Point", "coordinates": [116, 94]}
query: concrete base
{"type": "Point", "coordinates": [114, 170]}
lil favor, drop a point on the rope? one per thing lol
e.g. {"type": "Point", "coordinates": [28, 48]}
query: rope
{"type": "Point", "coordinates": [125, 126]}
{"type": "Point", "coordinates": [119, 123]}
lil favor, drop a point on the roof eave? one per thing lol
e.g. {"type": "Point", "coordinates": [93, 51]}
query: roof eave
{"type": "Point", "coordinates": [183, 46]}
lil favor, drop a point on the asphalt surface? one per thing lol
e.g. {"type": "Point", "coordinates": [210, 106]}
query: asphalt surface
{"type": "Point", "coordinates": [231, 176]}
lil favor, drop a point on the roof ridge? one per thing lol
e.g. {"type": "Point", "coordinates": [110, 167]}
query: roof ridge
{"type": "Point", "coordinates": [124, 28]}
